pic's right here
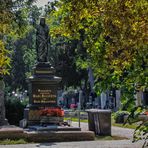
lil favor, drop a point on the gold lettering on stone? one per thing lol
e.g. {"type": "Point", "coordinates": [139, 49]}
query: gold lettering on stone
{"type": "Point", "coordinates": [44, 96]}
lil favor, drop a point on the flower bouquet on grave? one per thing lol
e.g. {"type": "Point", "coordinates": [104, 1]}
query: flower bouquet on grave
{"type": "Point", "coordinates": [51, 115]}
{"type": "Point", "coordinates": [52, 112]}
{"type": "Point", "coordinates": [146, 113]}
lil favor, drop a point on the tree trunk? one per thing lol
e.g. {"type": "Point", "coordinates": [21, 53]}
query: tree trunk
{"type": "Point", "coordinates": [91, 78]}
{"type": "Point", "coordinates": [3, 121]}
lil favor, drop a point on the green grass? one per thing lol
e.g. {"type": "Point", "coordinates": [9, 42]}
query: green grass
{"type": "Point", "coordinates": [74, 119]}
{"type": "Point", "coordinates": [9, 142]}
{"type": "Point", "coordinates": [131, 126]}
{"type": "Point", "coordinates": [109, 138]}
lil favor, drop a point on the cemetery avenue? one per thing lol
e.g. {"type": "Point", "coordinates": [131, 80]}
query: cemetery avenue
{"type": "Point", "coordinates": [73, 74]}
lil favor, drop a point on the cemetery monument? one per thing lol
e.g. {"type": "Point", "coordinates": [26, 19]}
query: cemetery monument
{"type": "Point", "coordinates": [43, 84]}
{"type": "Point", "coordinates": [42, 114]}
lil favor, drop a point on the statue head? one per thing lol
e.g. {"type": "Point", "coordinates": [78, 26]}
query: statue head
{"type": "Point", "coordinates": [42, 21]}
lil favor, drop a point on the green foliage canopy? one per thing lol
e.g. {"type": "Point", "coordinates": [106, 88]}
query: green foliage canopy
{"type": "Point", "coordinates": [115, 37]}
{"type": "Point", "coordinates": [14, 24]}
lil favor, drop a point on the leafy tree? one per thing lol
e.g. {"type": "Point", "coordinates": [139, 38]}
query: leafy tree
{"type": "Point", "coordinates": [63, 51]}
{"type": "Point", "coordinates": [111, 39]}
{"type": "Point", "coordinates": [12, 16]}
{"type": "Point", "coordinates": [24, 54]}
{"type": "Point", "coordinates": [5, 16]}
{"type": "Point", "coordinates": [14, 24]}
{"type": "Point", "coordinates": [115, 39]}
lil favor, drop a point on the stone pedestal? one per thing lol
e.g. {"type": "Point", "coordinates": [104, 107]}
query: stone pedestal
{"type": "Point", "coordinates": [43, 86]}
{"type": "Point", "coordinates": [99, 121]}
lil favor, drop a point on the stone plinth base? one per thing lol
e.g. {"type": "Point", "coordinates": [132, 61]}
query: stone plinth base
{"type": "Point", "coordinates": [12, 132]}
{"type": "Point", "coordinates": [51, 120]}
{"type": "Point", "coordinates": [33, 117]}
{"type": "Point", "coordinates": [54, 128]}
{"type": "Point", "coordinates": [60, 136]}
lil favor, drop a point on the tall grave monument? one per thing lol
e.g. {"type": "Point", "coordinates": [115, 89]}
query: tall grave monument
{"type": "Point", "coordinates": [43, 84]}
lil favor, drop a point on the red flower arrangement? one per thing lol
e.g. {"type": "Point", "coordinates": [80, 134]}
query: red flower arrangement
{"type": "Point", "coordinates": [57, 112]}
{"type": "Point", "coordinates": [146, 113]}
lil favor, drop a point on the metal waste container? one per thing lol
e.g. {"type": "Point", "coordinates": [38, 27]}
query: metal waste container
{"type": "Point", "coordinates": [99, 121]}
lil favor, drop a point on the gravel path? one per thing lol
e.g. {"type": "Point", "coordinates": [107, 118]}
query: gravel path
{"type": "Point", "coordinates": [86, 144]}
{"type": "Point", "coordinates": [116, 131]}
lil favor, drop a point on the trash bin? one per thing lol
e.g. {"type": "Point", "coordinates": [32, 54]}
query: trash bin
{"type": "Point", "coordinates": [99, 121]}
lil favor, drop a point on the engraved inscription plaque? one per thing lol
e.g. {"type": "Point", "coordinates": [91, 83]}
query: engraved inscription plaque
{"type": "Point", "coordinates": [44, 94]}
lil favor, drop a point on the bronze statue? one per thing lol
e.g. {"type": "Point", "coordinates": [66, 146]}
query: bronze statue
{"type": "Point", "coordinates": [42, 41]}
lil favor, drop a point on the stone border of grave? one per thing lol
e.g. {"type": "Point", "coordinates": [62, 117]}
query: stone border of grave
{"type": "Point", "coordinates": [13, 133]}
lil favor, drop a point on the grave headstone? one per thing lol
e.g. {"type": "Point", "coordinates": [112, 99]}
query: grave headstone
{"type": "Point", "coordinates": [103, 99]}
{"type": "Point", "coordinates": [118, 100]}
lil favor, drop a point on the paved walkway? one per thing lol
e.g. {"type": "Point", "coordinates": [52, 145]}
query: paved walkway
{"type": "Point", "coordinates": [116, 131]}
{"type": "Point", "coordinates": [87, 144]}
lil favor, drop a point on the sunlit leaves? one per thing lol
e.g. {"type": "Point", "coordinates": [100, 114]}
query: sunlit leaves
{"type": "Point", "coordinates": [123, 26]}
{"type": "Point", "coordinates": [115, 37]}
{"type": "Point", "coordinates": [14, 22]}
{"type": "Point", "coordinates": [4, 59]}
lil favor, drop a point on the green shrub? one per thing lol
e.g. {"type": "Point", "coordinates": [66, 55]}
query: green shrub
{"type": "Point", "coordinates": [14, 110]}
{"type": "Point", "coordinates": [119, 116]}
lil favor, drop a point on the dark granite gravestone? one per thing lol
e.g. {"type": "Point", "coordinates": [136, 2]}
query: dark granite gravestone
{"type": "Point", "coordinates": [43, 86]}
